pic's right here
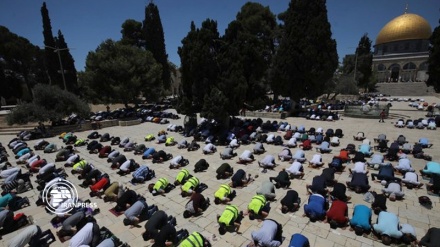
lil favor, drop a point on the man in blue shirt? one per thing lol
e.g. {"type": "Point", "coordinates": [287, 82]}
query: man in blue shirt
{"type": "Point", "coordinates": [299, 240]}
{"type": "Point", "coordinates": [386, 172]}
{"type": "Point", "coordinates": [425, 142]}
{"type": "Point", "coordinates": [387, 227]}
{"type": "Point", "coordinates": [142, 174]}
{"type": "Point", "coordinates": [324, 148]}
{"type": "Point", "coordinates": [315, 209]}
{"type": "Point", "coordinates": [361, 220]}
{"type": "Point", "coordinates": [365, 149]}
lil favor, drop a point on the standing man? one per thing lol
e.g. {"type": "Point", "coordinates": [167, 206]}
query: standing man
{"type": "Point", "coordinates": [382, 116]}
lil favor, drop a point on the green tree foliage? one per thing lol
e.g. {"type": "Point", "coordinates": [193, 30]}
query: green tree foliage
{"type": "Point", "coordinates": [49, 103]}
{"type": "Point", "coordinates": [348, 64]}
{"type": "Point", "coordinates": [21, 66]}
{"type": "Point", "coordinates": [155, 41]}
{"type": "Point", "coordinates": [306, 58]}
{"type": "Point", "coordinates": [248, 53]}
{"type": "Point", "coordinates": [120, 73]}
{"type": "Point", "coordinates": [132, 33]}
{"type": "Point", "coordinates": [213, 107]}
{"type": "Point", "coordinates": [344, 84]}
{"type": "Point", "coordinates": [51, 58]}
{"type": "Point", "coordinates": [70, 73]}
{"type": "Point", "coordinates": [434, 60]}
{"type": "Point", "coordinates": [200, 68]}
{"type": "Point", "coordinates": [364, 63]}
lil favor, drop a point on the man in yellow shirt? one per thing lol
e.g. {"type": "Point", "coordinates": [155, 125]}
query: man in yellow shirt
{"type": "Point", "coordinates": [230, 217]}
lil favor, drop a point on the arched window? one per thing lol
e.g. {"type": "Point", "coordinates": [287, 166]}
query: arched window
{"type": "Point", "coordinates": [409, 66]}
{"type": "Point", "coordinates": [424, 66]}
{"type": "Point", "coordinates": [381, 67]}
{"type": "Point", "coordinates": [394, 67]}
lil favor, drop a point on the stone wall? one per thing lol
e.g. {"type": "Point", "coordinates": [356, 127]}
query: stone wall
{"type": "Point", "coordinates": [256, 114]}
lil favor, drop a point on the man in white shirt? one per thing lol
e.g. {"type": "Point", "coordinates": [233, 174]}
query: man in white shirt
{"type": "Point", "coordinates": [394, 191]}
{"type": "Point", "coordinates": [258, 148]}
{"type": "Point", "coordinates": [292, 143]}
{"type": "Point", "coordinates": [209, 148]}
{"type": "Point", "coordinates": [87, 236]}
{"type": "Point", "coordinates": [246, 157]}
{"type": "Point", "coordinates": [268, 162]}
{"type": "Point", "coordinates": [334, 141]}
{"type": "Point", "coordinates": [359, 167]}
{"type": "Point", "coordinates": [285, 154]}
{"type": "Point", "coordinates": [234, 143]}
{"type": "Point", "coordinates": [316, 161]}
{"type": "Point", "coordinates": [176, 162]}
{"type": "Point", "coordinates": [270, 138]}
{"type": "Point", "coordinates": [411, 180]}
{"type": "Point", "coordinates": [296, 170]}
{"type": "Point", "coordinates": [404, 165]}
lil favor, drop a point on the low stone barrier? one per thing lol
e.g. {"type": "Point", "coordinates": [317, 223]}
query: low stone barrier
{"type": "Point", "coordinates": [53, 131]}
{"type": "Point", "coordinates": [129, 122]}
{"type": "Point", "coordinates": [280, 115]}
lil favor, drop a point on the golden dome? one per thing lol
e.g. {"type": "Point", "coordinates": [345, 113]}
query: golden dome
{"type": "Point", "coordinates": [404, 27]}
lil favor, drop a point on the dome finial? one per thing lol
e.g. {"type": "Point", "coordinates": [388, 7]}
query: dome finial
{"type": "Point", "coordinates": [406, 9]}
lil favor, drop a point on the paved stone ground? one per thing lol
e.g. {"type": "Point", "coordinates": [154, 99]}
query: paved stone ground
{"type": "Point", "coordinates": [319, 234]}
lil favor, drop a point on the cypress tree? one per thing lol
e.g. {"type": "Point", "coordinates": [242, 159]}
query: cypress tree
{"type": "Point", "coordinates": [51, 58]}
{"type": "Point", "coordinates": [68, 64]}
{"type": "Point", "coordinates": [155, 41]}
{"type": "Point", "coordinates": [364, 62]}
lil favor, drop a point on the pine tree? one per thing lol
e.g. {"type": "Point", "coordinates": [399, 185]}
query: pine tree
{"type": "Point", "coordinates": [155, 41]}
{"type": "Point", "coordinates": [306, 58]}
{"type": "Point", "coordinates": [51, 58]}
{"type": "Point", "coordinates": [68, 64]}
{"type": "Point", "coordinates": [434, 60]}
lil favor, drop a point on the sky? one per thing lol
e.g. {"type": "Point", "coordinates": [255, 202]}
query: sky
{"type": "Point", "coordinates": [87, 23]}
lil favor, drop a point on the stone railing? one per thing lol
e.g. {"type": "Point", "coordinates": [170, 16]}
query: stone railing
{"type": "Point", "coordinates": [263, 114]}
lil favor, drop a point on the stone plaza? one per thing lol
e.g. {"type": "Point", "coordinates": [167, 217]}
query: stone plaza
{"type": "Point", "coordinates": [319, 234]}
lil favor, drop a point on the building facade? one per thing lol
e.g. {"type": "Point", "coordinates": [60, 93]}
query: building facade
{"type": "Point", "coordinates": [401, 50]}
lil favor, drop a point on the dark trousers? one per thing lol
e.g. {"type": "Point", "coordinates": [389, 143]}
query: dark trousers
{"type": "Point", "coordinates": [280, 183]}
{"type": "Point", "coordinates": [16, 203]}
{"type": "Point", "coordinates": [386, 178]}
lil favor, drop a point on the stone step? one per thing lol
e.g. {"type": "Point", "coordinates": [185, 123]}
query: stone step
{"type": "Point", "coordinates": [405, 89]}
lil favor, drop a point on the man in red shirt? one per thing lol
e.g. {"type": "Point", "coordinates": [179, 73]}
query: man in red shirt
{"type": "Point", "coordinates": [337, 215]}
{"type": "Point", "coordinates": [306, 145]}
{"type": "Point", "coordinates": [35, 166]}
